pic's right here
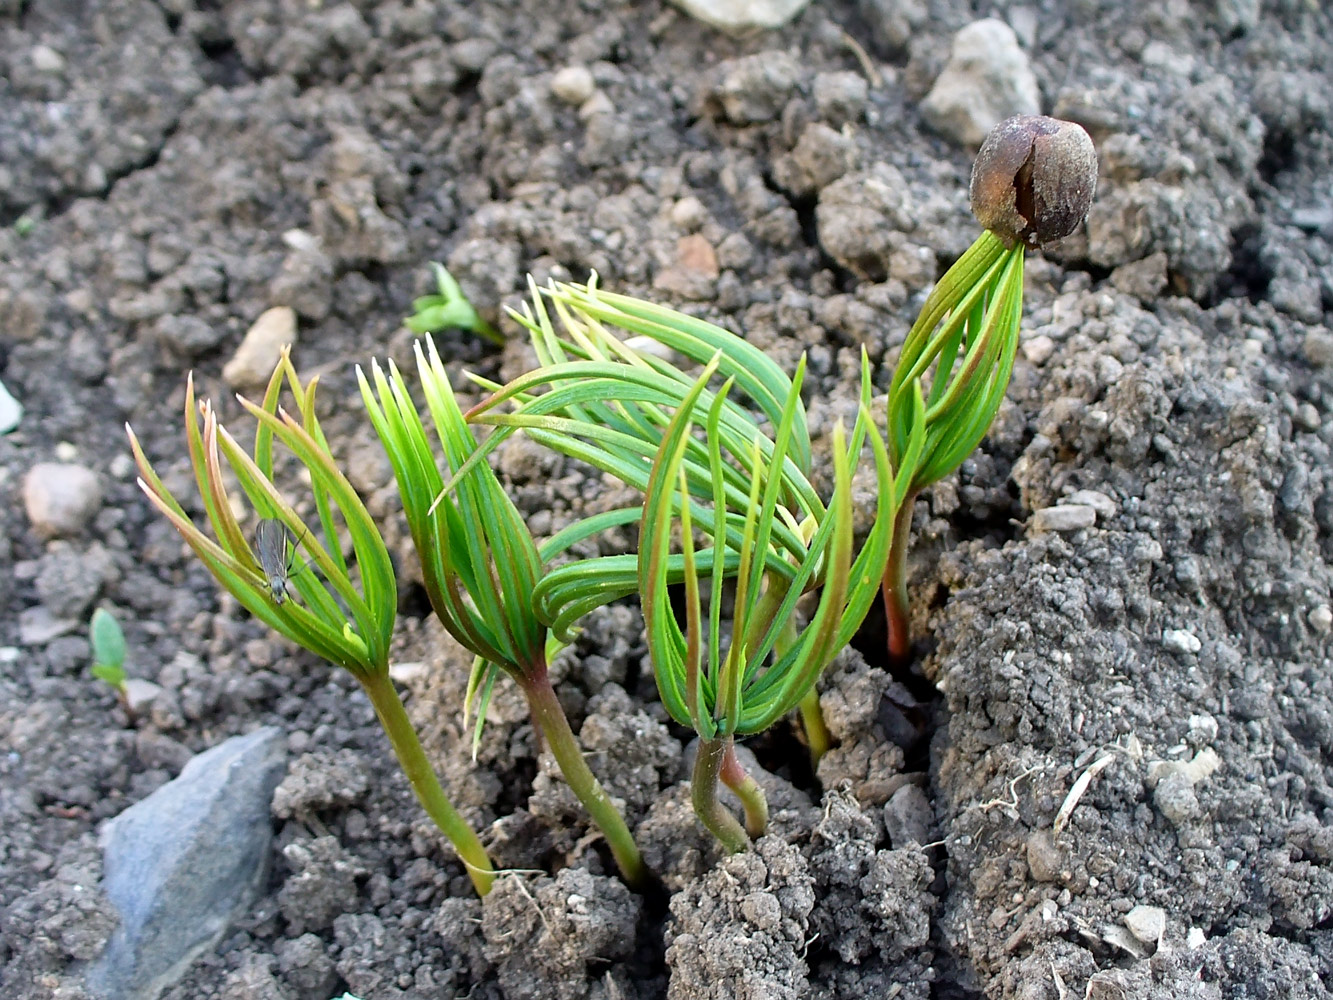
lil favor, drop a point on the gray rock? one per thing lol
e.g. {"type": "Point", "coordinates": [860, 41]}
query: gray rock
{"type": "Point", "coordinates": [1179, 640]}
{"type": "Point", "coordinates": [754, 88]}
{"type": "Point", "coordinates": [11, 411]}
{"type": "Point", "coordinates": [987, 79]}
{"type": "Point", "coordinates": [740, 16]}
{"type": "Point", "coordinates": [1147, 923]}
{"type": "Point", "coordinates": [1066, 517]}
{"type": "Point", "coordinates": [1319, 348]}
{"type": "Point", "coordinates": [907, 817]}
{"type": "Point", "coordinates": [60, 498]}
{"type": "Point", "coordinates": [37, 626]}
{"type": "Point", "coordinates": [257, 356]}
{"type": "Point", "coordinates": [1174, 796]}
{"type": "Point", "coordinates": [183, 863]}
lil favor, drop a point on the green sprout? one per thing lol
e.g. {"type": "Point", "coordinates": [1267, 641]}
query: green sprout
{"type": "Point", "coordinates": [607, 404]}
{"type": "Point", "coordinates": [482, 570]}
{"type": "Point", "coordinates": [770, 664]}
{"type": "Point", "coordinates": [1032, 183]}
{"type": "Point", "coordinates": [745, 488]}
{"type": "Point", "coordinates": [342, 612]}
{"type": "Point", "coordinates": [108, 643]}
{"type": "Point", "coordinates": [449, 309]}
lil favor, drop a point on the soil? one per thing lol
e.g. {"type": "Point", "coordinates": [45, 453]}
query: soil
{"type": "Point", "coordinates": [168, 170]}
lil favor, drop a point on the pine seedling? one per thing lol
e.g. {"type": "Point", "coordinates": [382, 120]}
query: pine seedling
{"type": "Point", "coordinates": [1032, 183]}
{"type": "Point", "coordinates": [607, 403]}
{"type": "Point", "coordinates": [770, 664]}
{"type": "Point", "coordinates": [449, 309]}
{"type": "Point", "coordinates": [482, 569]}
{"type": "Point", "coordinates": [341, 611]}
{"type": "Point", "coordinates": [108, 643]}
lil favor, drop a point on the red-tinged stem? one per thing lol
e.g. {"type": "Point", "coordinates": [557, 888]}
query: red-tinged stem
{"type": "Point", "coordinates": [752, 797]}
{"type": "Point", "coordinates": [703, 792]}
{"type": "Point", "coordinates": [549, 718]}
{"type": "Point", "coordinates": [895, 586]}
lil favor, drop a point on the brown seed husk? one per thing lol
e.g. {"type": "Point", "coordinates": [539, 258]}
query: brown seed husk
{"type": "Point", "coordinates": [1033, 179]}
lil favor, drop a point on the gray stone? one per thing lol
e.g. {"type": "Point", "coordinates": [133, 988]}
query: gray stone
{"type": "Point", "coordinates": [755, 88]}
{"type": "Point", "coordinates": [741, 16]}
{"type": "Point", "coordinates": [1174, 796]}
{"type": "Point", "coordinates": [988, 78]}
{"type": "Point", "coordinates": [907, 817]}
{"type": "Point", "coordinates": [1319, 348]}
{"type": "Point", "coordinates": [1321, 618]}
{"type": "Point", "coordinates": [37, 626]}
{"type": "Point", "coordinates": [1066, 517]}
{"type": "Point", "coordinates": [1179, 640]}
{"type": "Point", "coordinates": [1147, 923]}
{"type": "Point", "coordinates": [260, 349]}
{"type": "Point", "coordinates": [60, 498]}
{"type": "Point", "coordinates": [11, 411]}
{"type": "Point", "coordinates": [182, 864]}
{"type": "Point", "coordinates": [1104, 506]}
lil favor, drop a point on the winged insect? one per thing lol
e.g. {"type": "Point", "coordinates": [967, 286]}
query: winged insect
{"type": "Point", "coordinates": [271, 538]}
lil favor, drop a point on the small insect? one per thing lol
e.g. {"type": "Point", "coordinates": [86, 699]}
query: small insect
{"type": "Point", "coordinates": [271, 538]}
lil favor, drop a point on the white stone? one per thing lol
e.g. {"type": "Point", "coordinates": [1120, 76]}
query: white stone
{"type": "Point", "coordinates": [1147, 923]}
{"type": "Point", "coordinates": [1179, 640]}
{"type": "Point", "coordinates": [597, 104]}
{"type": "Point", "coordinates": [1066, 517]}
{"type": "Point", "coordinates": [1038, 349]}
{"type": "Point", "coordinates": [11, 411]}
{"type": "Point", "coordinates": [46, 59]}
{"type": "Point", "coordinates": [1196, 938]}
{"type": "Point", "coordinates": [260, 349]}
{"type": "Point", "coordinates": [408, 671]}
{"type": "Point", "coordinates": [987, 79]}
{"type": "Point", "coordinates": [573, 84]}
{"type": "Point", "coordinates": [1100, 502]}
{"type": "Point", "coordinates": [1321, 618]}
{"type": "Point", "coordinates": [741, 16]}
{"type": "Point", "coordinates": [140, 694]}
{"type": "Point", "coordinates": [60, 498]}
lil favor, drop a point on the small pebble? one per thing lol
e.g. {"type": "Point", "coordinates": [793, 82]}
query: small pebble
{"type": "Point", "coordinates": [46, 59]}
{"type": "Point", "coordinates": [1321, 618]}
{"type": "Point", "coordinates": [11, 411]}
{"type": "Point", "coordinates": [987, 79]}
{"type": "Point", "coordinates": [1306, 418]}
{"type": "Point", "coordinates": [1147, 923]}
{"type": "Point", "coordinates": [1065, 517]}
{"type": "Point", "coordinates": [597, 104]}
{"type": "Point", "coordinates": [573, 84]}
{"type": "Point", "coordinates": [1319, 348]}
{"type": "Point", "coordinates": [1100, 502]}
{"type": "Point", "coordinates": [741, 17]}
{"type": "Point", "coordinates": [140, 694]}
{"type": "Point", "coordinates": [260, 349]}
{"type": "Point", "coordinates": [689, 213]}
{"type": "Point", "coordinates": [907, 817]}
{"type": "Point", "coordinates": [60, 498]}
{"type": "Point", "coordinates": [1174, 796]}
{"type": "Point", "coordinates": [1179, 640]}
{"type": "Point", "coordinates": [1038, 349]}
{"type": "Point", "coordinates": [1045, 859]}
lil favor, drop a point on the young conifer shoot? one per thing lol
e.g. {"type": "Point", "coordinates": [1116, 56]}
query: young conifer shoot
{"type": "Point", "coordinates": [341, 611]}
{"type": "Point", "coordinates": [1032, 183]}
{"type": "Point", "coordinates": [481, 570]}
